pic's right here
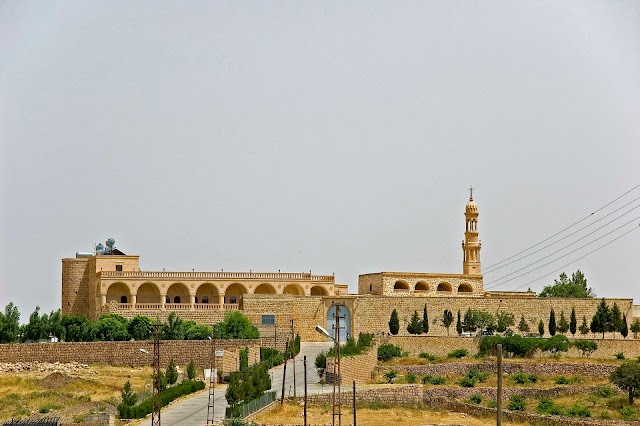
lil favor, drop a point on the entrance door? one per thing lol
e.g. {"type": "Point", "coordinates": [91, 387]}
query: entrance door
{"type": "Point", "coordinates": [345, 322]}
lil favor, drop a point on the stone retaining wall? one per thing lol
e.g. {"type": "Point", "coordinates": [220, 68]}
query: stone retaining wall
{"type": "Point", "coordinates": [442, 345]}
{"type": "Point", "coordinates": [128, 353]}
{"type": "Point", "coordinates": [540, 368]}
{"type": "Point", "coordinates": [358, 368]}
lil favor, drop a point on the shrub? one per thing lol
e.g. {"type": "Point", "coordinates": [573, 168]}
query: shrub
{"type": "Point", "coordinates": [475, 399]}
{"type": "Point", "coordinates": [605, 392]}
{"type": "Point", "coordinates": [628, 413]}
{"type": "Point", "coordinates": [578, 410]}
{"type": "Point", "coordinates": [434, 380]}
{"type": "Point", "coordinates": [388, 351]}
{"type": "Point", "coordinates": [172, 372]}
{"type": "Point", "coordinates": [321, 363]}
{"type": "Point", "coordinates": [427, 356]}
{"type": "Point", "coordinates": [516, 403]}
{"type": "Point", "coordinates": [556, 344]}
{"type": "Point", "coordinates": [191, 370]}
{"type": "Point", "coordinates": [166, 396]}
{"type": "Point", "coordinates": [524, 378]}
{"type": "Point", "coordinates": [619, 355]}
{"type": "Point", "coordinates": [492, 404]}
{"type": "Point", "coordinates": [410, 378]}
{"type": "Point", "coordinates": [587, 347]}
{"type": "Point", "coordinates": [561, 380]}
{"type": "Point", "coordinates": [512, 346]}
{"type": "Point", "coordinates": [458, 353]}
{"type": "Point", "coordinates": [390, 375]}
{"type": "Point", "coordinates": [476, 374]}
{"type": "Point", "coordinates": [467, 382]}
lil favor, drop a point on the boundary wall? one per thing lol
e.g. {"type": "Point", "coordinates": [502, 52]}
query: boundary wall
{"type": "Point", "coordinates": [128, 353]}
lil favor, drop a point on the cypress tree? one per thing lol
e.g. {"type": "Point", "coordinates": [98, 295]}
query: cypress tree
{"type": "Point", "coordinates": [563, 324]}
{"type": "Point", "coordinates": [552, 323]}
{"type": "Point", "coordinates": [447, 319]}
{"type": "Point", "coordinates": [425, 320]}
{"type": "Point", "coordinates": [523, 326]}
{"type": "Point", "coordinates": [573, 323]}
{"type": "Point", "coordinates": [541, 328]}
{"type": "Point", "coordinates": [616, 319]}
{"type": "Point", "coordinates": [624, 329]}
{"type": "Point", "coordinates": [459, 324]}
{"type": "Point", "coordinates": [602, 319]}
{"type": "Point", "coordinates": [394, 323]}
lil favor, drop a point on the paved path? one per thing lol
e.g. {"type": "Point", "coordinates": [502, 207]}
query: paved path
{"type": "Point", "coordinates": [192, 410]}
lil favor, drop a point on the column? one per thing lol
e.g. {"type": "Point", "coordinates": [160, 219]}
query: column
{"type": "Point", "coordinates": [192, 301]}
{"type": "Point", "coordinates": [134, 300]}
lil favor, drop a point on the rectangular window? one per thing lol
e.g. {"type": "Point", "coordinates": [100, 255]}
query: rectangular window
{"type": "Point", "coordinates": [119, 268]}
{"type": "Point", "coordinates": [268, 320]}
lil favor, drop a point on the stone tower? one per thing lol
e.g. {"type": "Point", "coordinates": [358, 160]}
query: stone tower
{"type": "Point", "coordinates": [471, 244]}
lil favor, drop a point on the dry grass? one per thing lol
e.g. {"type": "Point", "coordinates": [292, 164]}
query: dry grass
{"type": "Point", "coordinates": [25, 393]}
{"type": "Point", "coordinates": [292, 414]}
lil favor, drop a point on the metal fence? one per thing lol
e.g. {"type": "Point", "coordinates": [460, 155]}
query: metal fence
{"type": "Point", "coordinates": [243, 410]}
{"type": "Point", "coordinates": [47, 421]}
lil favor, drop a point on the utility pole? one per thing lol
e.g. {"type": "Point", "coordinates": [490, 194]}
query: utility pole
{"type": "Point", "coordinates": [155, 403]}
{"type": "Point", "coordinates": [499, 393]}
{"type": "Point", "coordinates": [354, 403]}
{"type": "Point", "coordinates": [211, 409]}
{"type": "Point", "coordinates": [337, 377]}
{"type": "Point", "coordinates": [305, 390]}
{"type": "Point", "coordinates": [293, 356]}
{"type": "Point", "coordinates": [284, 374]}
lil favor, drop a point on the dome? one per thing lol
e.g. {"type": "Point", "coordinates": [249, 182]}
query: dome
{"type": "Point", "coordinates": [472, 207]}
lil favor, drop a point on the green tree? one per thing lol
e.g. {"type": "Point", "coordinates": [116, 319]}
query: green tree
{"type": "Point", "coordinates": [504, 320]}
{"type": "Point", "coordinates": [425, 320]}
{"type": "Point", "coordinates": [77, 328]}
{"type": "Point", "coordinates": [173, 329]}
{"type": "Point", "coordinates": [624, 328]}
{"type": "Point", "coordinates": [394, 323]}
{"type": "Point", "coordinates": [9, 324]}
{"type": "Point", "coordinates": [552, 323]}
{"type": "Point", "coordinates": [415, 325]}
{"type": "Point", "coordinates": [172, 372]}
{"type": "Point", "coordinates": [110, 328]}
{"type": "Point", "coordinates": [478, 320]}
{"type": "Point", "coordinates": [563, 324]}
{"type": "Point", "coordinates": [129, 398]}
{"type": "Point", "coordinates": [243, 358]}
{"type": "Point", "coordinates": [627, 377]}
{"type": "Point", "coordinates": [459, 324]}
{"type": "Point", "coordinates": [447, 319]}
{"type": "Point", "coordinates": [573, 322]}
{"type": "Point", "coordinates": [541, 328]}
{"type": "Point", "coordinates": [235, 326]}
{"type": "Point", "coordinates": [198, 332]}
{"type": "Point", "coordinates": [523, 326]}
{"type": "Point", "coordinates": [55, 327]}
{"type": "Point", "coordinates": [576, 287]}
{"type": "Point", "coordinates": [602, 319]}
{"type": "Point", "coordinates": [635, 327]}
{"type": "Point", "coordinates": [616, 318]}
{"type": "Point", "coordinates": [139, 328]}
{"type": "Point", "coordinates": [584, 327]}
{"type": "Point", "coordinates": [190, 370]}
{"type": "Point", "coordinates": [36, 328]}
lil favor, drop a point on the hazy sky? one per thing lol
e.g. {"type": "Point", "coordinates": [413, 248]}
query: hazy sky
{"type": "Point", "coordinates": [325, 136]}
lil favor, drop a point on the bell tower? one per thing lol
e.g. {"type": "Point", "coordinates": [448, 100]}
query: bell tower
{"type": "Point", "coordinates": [471, 244]}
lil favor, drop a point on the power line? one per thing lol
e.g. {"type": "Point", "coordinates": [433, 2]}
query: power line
{"type": "Point", "coordinates": [573, 233]}
{"type": "Point", "coordinates": [568, 227]}
{"type": "Point", "coordinates": [573, 261]}
{"type": "Point", "coordinates": [548, 263]}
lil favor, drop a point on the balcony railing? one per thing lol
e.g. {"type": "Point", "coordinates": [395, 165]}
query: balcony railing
{"type": "Point", "coordinates": [219, 275]}
{"type": "Point", "coordinates": [170, 307]}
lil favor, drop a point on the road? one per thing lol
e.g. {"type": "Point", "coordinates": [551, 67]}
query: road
{"type": "Point", "coordinates": [192, 410]}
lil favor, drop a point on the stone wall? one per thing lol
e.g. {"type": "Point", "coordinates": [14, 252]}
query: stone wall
{"type": "Point", "coordinates": [75, 286]}
{"type": "Point", "coordinates": [442, 345]}
{"type": "Point", "coordinates": [128, 353]}
{"type": "Point", "coordinates": [358, 368]}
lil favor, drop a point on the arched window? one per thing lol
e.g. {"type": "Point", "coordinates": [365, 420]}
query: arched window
{"type": "Point", "coordinates": [167, 299]}
{"type": "Point", "coordinates": [123, 299]}
{"type": "Point", "coordinates": [176, 299]}
{"type": "Point", "coordinates": [205, 299]}
{"type": "Point", "coordinates": [196, 299]}
{"type": "Point", "coordinates": [232, 300]}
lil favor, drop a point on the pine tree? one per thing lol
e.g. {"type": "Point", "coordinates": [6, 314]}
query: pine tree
{"type": "Point", "coordinates": [552, 323]}
{"type": "Point", "coordinates": [394, 323]}
{"type": "Point", "coordinates": [522, 325]}
{"type": "Point", "coordinates": [541, 328]}
{"type": "Point", "coordinates": [573, 323]}
{"type": "Point", "coordinates": [602, 319]}
{"type": "Point", "coordinates": [584, 327]}
{"type": "Point", "coordinates": [563, 324]}
{"type": "Point", "coordinates": [635, 328]}
{"type": "Point", "coordinates": [624, 328]}
{"type": "Point", "coordinates": [425, 320]}
{"type": "Point", "coordinates": [459, 324]}
{"type": "Point", "coordinates": [616, 318]}
{"type": "Point", "coordinates": [415, 325]}
{"type": "Point", "coordinates": [447, 319]}
{"type": "Point", "coordinates": [191, 370]}
{"type": "Point", "coordinates": [128, 397]}
{"type": "Point", "coordinates": [172, 372]}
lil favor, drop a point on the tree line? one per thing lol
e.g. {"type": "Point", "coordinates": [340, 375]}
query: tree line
{"type": "Point", "coordinates": [114, 327]}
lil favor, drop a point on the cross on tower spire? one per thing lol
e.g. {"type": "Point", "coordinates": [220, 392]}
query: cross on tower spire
{"type": "Point", "coordinates": [470, 193]}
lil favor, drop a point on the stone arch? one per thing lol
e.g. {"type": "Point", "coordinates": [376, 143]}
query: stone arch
{"type": "Point", "coordinates": [148, 293]}
{"type": "Point", "coordinates": [401, 286]}
{"type": "Point", "coordinates": [264, 288]}
{"type": "Point", "coordinates": [234, 293]}
{"type": "Point", "coordinates": [178, 293]}
{"type": "Point", "coordinates": [293, 289]}
{"type": "Point", "coordinates": [421, 286]}
{"type": "Point", "coordinates": [318, 290]}
{"type": "Point", "coordinates": [465, 288]}
{"type": "Point", "coordinates": [116, 291]}
{"type": "Point", "coordinates": [207, 293]}
{"type": "Point", "coordinates": [444, 287]}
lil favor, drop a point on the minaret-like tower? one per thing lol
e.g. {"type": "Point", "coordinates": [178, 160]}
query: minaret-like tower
{"type": "Point", "coordinates": [471, 244]}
